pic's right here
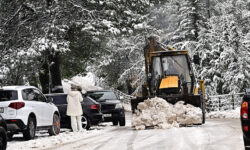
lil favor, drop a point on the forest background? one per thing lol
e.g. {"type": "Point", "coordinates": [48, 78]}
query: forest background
{"type": "Point", "coordinates": [45, 41]}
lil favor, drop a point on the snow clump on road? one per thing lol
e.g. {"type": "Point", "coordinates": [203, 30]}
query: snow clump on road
{"type": "Point", "coordinates": [160, 114]}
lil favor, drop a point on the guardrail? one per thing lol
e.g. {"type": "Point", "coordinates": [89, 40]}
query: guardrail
{"type": "Point", "coordinates": [126, 98]}
{"type": "Point", "coordinates": [224, 102]}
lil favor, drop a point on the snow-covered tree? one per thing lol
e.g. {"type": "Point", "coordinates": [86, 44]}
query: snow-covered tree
{"type": "Point", "coordinates": [42, 30]}
{"type": "Point", "coordinates": [223, 52]}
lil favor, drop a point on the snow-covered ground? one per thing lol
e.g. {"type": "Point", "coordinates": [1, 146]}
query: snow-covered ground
{"type": "Point", "coordinates": [44, 141]}
{"type": "Point", "coordinates": [224, 134]}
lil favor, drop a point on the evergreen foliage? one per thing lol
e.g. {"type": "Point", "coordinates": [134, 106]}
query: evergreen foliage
{"type": "Point", "coordinates": [107, 37]}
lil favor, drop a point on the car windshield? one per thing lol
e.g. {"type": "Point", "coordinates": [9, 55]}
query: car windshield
{"type": "Point", "coordinates": [7, 95]}
{"type": "Point", "coordinates": [102, 95]}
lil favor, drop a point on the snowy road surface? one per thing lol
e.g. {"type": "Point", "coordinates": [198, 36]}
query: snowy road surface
{"type": "Point", "coordinates": [217, 134]}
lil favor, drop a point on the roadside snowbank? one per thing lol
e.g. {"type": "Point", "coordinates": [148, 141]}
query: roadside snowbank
{"type": "Point", "coordinates": [229, 114]}
{"type": "Point", "coordinates": [44, 141]}
{"type": "Point", "coordinates": [158, 113]}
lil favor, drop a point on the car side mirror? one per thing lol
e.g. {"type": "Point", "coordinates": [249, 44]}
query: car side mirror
{"type": "Point", "coordinates": [49, 100]}
{"type": "Point", "coordinates": [196, 59]}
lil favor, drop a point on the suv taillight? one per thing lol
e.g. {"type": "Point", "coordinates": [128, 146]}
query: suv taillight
{"type": "Point", "coordinates": [16, 105]}
{"type": "Point", "coordinates": [244, 110]}
{"type": "Point", "coordinates": [95, 106]}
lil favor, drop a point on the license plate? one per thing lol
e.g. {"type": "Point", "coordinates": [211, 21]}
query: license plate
{"type": "Point", "coordinates": [1, 110]}
{"type": "Point", "coordinates": [107, 115]}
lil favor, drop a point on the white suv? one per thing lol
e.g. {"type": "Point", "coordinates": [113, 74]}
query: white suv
{"type": "Point", "coordinates": [25, 109]}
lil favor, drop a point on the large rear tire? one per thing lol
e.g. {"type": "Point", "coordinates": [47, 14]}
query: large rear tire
{"type": "Point", "coordinates": [3, 139]}
{"type": "Point", "coordinates": [203, 118]}
{"type": "Point", "coordinates": [55, 128]}
{"type": "Point", "coordinates": [30, 131]}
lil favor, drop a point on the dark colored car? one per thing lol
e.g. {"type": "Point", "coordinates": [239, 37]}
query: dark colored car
{"type": "Point", "coordinates": [3, 134]}
{"type": "Point", "coordinates": [245, 120]}
{"type": "Point", "coordinates": [91, 110]}
{"type": "Point", "coordinates": [112, 108]}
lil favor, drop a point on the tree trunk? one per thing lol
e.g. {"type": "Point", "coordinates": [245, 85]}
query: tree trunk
{"type": "Point", "coordinates": [208, 8]}
{"type": "Point", "coordinates": [44, 77]}
{"type": "Point", "coordinates": [55, 73]}
{"type": "Point", "coordinates": [50, 74]}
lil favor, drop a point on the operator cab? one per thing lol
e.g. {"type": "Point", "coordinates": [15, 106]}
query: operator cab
{"type": "Point", "coordinates": [171, 73]}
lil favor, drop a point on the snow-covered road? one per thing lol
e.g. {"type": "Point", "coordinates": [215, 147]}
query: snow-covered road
{"type": "Point", "coordinates": [216, 134]}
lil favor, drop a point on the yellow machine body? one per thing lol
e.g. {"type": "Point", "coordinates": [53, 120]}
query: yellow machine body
{"type": "Point", "coordinates": [169, 82]}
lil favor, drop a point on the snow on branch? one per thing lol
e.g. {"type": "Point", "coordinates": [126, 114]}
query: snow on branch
{"type": "Point", "coordinates": [90, 13]}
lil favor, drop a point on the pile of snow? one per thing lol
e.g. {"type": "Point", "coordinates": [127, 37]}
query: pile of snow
{"type": "Point", "coordinates": [229, 114]}
{"type": "Point", "coordinates": [85, 82]}
{"type": "Point", "coordinates": [158, 113]}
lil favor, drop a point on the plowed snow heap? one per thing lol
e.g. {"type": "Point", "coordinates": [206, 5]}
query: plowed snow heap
{"type": "Point", "coordinates": [158, 113]}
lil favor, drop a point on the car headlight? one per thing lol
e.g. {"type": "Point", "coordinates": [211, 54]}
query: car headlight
{"type": "Point", "coordinates": [118, 106]}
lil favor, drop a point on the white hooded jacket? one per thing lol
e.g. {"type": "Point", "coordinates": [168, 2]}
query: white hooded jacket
{"type": "Point", "coordinates": [74, 100]}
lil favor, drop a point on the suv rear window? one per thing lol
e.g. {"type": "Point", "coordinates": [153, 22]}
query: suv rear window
{"type": "Point", "coordinates": [59, 99]}
{"type": "Point", "coordinates": [102, 95]}
{"type": "Point", "coordinates": [7, 95]}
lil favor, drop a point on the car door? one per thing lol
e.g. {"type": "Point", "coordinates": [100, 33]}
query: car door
{"type": "Point", "coordinates": [45, 108]}
{"type": "Point", "coordinates": [61, 103]}
{"type": "Point", "coordinates": [31, 102]}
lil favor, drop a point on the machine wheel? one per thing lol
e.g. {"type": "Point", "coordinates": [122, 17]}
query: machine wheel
{"type": "Point", "coordinates": [115, 122]}
{"type": "Point", "coordinates": [3, 139]}
{"type": "Point", "coordinates": [85, 122]}
{"type": "Point", "coordinates": [55, 128]}
{"type": "Point", "coordinates": [30, 132]}
{"type": "Point", "coordinates": [122, 121]}
{"type": "Point", "coordinates": [203, 118]}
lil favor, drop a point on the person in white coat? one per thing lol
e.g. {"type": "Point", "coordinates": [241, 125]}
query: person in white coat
{"type": "Point", "coordinates": [74, 108]}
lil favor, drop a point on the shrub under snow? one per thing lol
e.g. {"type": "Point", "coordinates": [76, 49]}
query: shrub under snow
{"type": "Point", "coordinates": [158, 113]}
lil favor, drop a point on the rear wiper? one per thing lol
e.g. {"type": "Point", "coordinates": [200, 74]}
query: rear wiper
{"type": "Point", "coordinates": [102, 100]}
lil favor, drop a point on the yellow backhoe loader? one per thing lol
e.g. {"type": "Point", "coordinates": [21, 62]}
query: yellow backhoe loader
{"type": "Point", "coordinates": [169, 75]}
